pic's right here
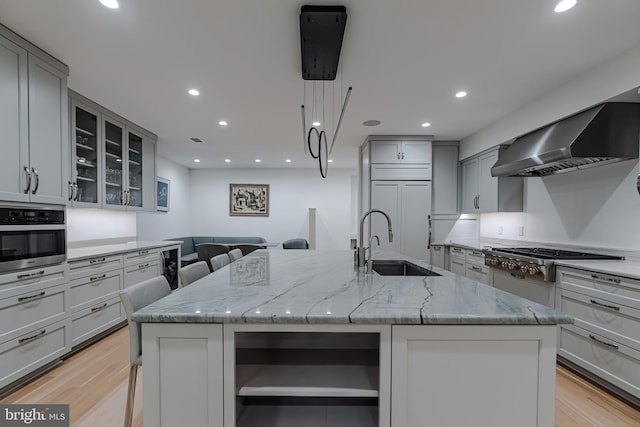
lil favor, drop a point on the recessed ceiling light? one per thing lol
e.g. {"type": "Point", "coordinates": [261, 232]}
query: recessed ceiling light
{"type": "Point", "coordinates": [227, 160]}
{"type": "Point", "coordinates": [222, 123]}
{"type": "Point", "coordinates": [564, 5]}
{"type": "Point", "coordinates": [316, 123]}
{"type": "Point", "coordinates": [111, 4]}
{"type": "Point", "coordinates": [330, 161]}
{"type": "Point", "coordinates": [196, 160]}
{"type": "Point", "coordinates": [426, 124]}
{"type": "Point", "coordinates": [258, 160]}
{"type": "Point", "coordinates": [288, 160]}
{"type": "Point", "coordinates": [194, 92]}
{"type": "Point", "coordinates": [461, 94]}
{"type": "Point", "coordinates": [371, 122]}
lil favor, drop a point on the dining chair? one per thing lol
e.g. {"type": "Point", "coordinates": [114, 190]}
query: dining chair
{"type": "Point", "coordinates": [193, 272]}
{"type": "Point", "coordinates": [295, 244]}
{"type": "Point", "coordinates": [235, 255]}
{"type": "Point", "coordinates": [247, 248]}
{"type": "Point", "coordinates": [219, 261]}
{"type": "Point", "coordinates": [133, 299]}
{"type": "Point", "coordinates": [206, 251]}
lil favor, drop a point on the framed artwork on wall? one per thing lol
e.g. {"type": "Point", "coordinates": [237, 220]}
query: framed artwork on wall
{"type": "Point", "coordinates": [249, 199]}
{"type": "Point", "coordinates": [162, 194]}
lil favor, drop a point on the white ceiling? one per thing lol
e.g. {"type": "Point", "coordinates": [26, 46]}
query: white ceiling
{"type": "Point", "coordinates": [404, 58]}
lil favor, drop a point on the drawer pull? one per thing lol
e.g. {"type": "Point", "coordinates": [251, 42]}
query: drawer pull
{"type": "Point", "coordinates": [22, 299]}
{"type": "Point", "coordinates": [32, 337]}
{"type": "Point", "coordinates": [143, 266]}
{"type": "Point", "coordinates": [97, 260]}
{"type": "Point", "coordinates": [102, 307]}
{"type": "Point", "coordinates": [476, 268]}
{"type": "Point", "coordinates": [93, 279]}
{"type": "Point", "coordinates": [600, 341]}
{"type": "Point", "coordinates": [607, 279]}
{"type": "Point", "coordinates": [24, 276]}
{"type": "Point", "coordinates": [517, 276]}
{"type": "Point", "coordinates": [612, 307]}
{"type": "Point", "coordinates": [476, 253]}
{"type": "Point", "coordinates": [143, 252]}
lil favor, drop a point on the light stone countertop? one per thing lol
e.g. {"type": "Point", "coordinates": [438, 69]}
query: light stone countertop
{"type": "Point", "coordinates": [77, 254]}
{"type": "Point", "coordinates": [308, 286]}
{"type": "Point", "coordinates": [625, 268]}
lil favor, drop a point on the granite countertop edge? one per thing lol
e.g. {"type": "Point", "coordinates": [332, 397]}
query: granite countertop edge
{"type": "Point", "coordinates": [78, 254]}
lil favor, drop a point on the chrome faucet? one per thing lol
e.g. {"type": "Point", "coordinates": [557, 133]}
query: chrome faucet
{"type": "Point", "coordinates": [361, 256]}
{"type": "Point", "coordinates": [369, 268]}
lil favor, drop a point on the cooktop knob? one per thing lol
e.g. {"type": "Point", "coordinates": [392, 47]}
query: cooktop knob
{"type": "Point", "coordinates": [524, 269]}
{"type": "Point", "coordinates": [512, 265]}
{"type": "Point", "coordinates": [533, 270]}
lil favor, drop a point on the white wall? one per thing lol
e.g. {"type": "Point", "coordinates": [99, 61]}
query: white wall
{"type": "Point", "coordinates": [292, 193]}
{"type": "Point", "coordinates": [98, 224]}
{"type": "Point", "coordinates": [176, 222]}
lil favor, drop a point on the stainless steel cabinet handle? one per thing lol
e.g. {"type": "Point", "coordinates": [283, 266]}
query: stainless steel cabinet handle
{"type": "Point", "coordinates": [476, 268]}
{"type": "Point", "coordinates": [143, 266]}
{"type": "Point", "coordinates": [143, 252]}
{"type": "Point", "coordinates": [70, 191]}
{"type": "Point", "coordinates": [93, 279]}
{"type": "Point", "coordinates": [75, 191]}
{"type": "Point", "coordinates": [35, 172]}
{"type": "Point", "coordinates": [32, 337]}
{"type": "Point", "coordinates": [429, 239]}
{"type": "Point", "coordinates": [599, 340]}
{"type": "Point", "coordinates": [607, 279]}
{"type": "Point", "coordinates": [41, 294]}
{"type": "Point", "coordinates": [28, 172]}
{"type": "Point", "coordinates": [476, 253]}
{"type": "Point", "coordinates": [398, 155]}
{"type": "Point", "coordinates": [402, 155]}
{"type": "Point", "coordinates": [102, 307]}
{"type": "Point", "coordinates": [24, 276]}
{"type": "Point", "coordinates": [612, 307]}
{"type": "Point", "coordinates": [97, 260]}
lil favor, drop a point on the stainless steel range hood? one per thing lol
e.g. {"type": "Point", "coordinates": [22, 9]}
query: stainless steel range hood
{"type": "Point", "coordinates": [604, 134]}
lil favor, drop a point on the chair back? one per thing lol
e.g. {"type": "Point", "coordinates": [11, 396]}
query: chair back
{"type": "Point", "coordinates": [206, 251]}
{"type": "Point", "coordinates": [219, 261]}
{"type": "Point", "coordinates": [192, 272]}
{"type": "Point", "coordinates": [133, 299]}
{"type": "Point", "coordinates": [295, 244]}
{"type": "Point", "coordinates": [247, 249]}
{"type": "Point", "coordinates": [235, 255]}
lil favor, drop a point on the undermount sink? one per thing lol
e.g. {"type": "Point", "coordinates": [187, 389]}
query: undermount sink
{"type": "Point", "coordinates": [400, 268]}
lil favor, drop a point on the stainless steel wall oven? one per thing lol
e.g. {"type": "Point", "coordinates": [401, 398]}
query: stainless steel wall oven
{"type": "Point", "coordinates": [31, 236]}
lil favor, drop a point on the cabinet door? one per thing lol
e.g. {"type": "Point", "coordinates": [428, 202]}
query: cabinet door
{"type": "Point", "coordinates": [133, 191]}
{"type": "Point", "coordinates": [114, 182]}
{"type": "Point", "coordinates": [148, 175]}
{"type": "Point", "coordinates": [416, 152]}
{"type": "Point", "coordinates": [48, 133]}
{"type": "Point", "coordinates": [469, 185]}
{"type": "Point", "coordinates": [87, 156]}
{"type": "Point", "coordinates": [386, 152]}
{"type": "Point", "coordinates": [457, 266]}
{"type": "Point", "coordinates": [13, 121]}
{"type": "Point", "coordinates": [415, 207]}
{"type": "Point", "coordinates": [385, 195]}
{"type": "Point", "coordinates": [487, 184]}
{"type": "Point", "coordinates": [438, 256]}
{"type": "Point", "coordinates": [445, 179]}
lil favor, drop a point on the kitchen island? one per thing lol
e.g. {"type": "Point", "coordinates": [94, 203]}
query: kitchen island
{"type": "Point", "coordinates": [292, 338]}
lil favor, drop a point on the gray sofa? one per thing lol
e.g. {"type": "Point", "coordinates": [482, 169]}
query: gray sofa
{"type": "Point", "coordinates": [189, 253]}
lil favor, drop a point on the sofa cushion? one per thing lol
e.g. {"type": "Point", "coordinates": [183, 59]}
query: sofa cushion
{"type": "Point", "coordinates": [202, 239]}
{"type": "Point", "coordinates": [189, 258]}
{"type": "Point", "coordinates": [187, 245]}
{"type": "Point", "coordinates": [227, 240]}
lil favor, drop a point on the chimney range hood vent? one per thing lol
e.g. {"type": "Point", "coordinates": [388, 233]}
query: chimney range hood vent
{"type": "Point", "coordinates": [604, 134]}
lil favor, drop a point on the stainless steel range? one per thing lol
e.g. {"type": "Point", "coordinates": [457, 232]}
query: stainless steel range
{"type": "Point", "coordinates": [538, 263]}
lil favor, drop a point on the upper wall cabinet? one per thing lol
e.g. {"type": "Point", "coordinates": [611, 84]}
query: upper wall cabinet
{"type": "Point", "coordinates": [114, 160]}
{"type": "Point", "coordinates": [34, 165]}
{"type": "Point", "coordinates": [445, 178]}
{"type": "Point", "coordinates": [401, 152]}
{"type": "Point", "coordinates": [482, 192]}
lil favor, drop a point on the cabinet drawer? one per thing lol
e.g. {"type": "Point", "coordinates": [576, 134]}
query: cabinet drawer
{"type": "Point", "coordinates": [90, 290]}
{"type": "Point", "coordinates": [32, 350]}
{"type": "Point", "coordinates": [93, 320]}
{"type": "Point", "coordinates": [401, 172]}
{"type": "Point", "coordinates": [456, 252]}
{"type": "Point", "coordinates": [456, 266]}
{"type": "Point", "coordinates": [614, 321]}
{"type": "Point", "coordinates": [30, 310]}
{"type": "Point", "coordinates": [474, 256]}
{"type": "Point", "coordinates": [479, 274]}
{"type": "Point", "coordinates": [17, 283]}
{"type": "Point", "coordinates": [139, 272]}
{"type": "Point", "coordinates": [141, 256]}
{"type": "Point", "coordinates": [95, 266]}
{"type": "Point", "coordinates": [620, 366]}
{"type": "Point", "coordinates": [621, 290]}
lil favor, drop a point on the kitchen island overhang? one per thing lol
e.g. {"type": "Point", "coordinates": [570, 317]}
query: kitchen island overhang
{"type": "Point", "coordinates": [315, 307]}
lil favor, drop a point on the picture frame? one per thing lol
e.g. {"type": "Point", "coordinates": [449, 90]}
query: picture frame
{"type": "Point", "coordinates": [249, 199]}
{"type": "Point", "coordinates": [163, 193]}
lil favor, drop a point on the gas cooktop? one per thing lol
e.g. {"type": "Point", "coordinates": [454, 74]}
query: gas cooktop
{"type": "Point", "coordinates": [547, 253]}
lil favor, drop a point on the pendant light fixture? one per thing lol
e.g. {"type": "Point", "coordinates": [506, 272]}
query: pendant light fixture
{"type": "Point", "coordinates": [321, 33]}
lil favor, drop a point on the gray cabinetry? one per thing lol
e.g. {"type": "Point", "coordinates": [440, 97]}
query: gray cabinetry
{"type": "Point", "coordinates": [482, 192]}
{"type": "Point", "coordinates": [445, 178]}
{"type": "Point", "coordinates": [604, 341]}
{"type": "Point", "coordinates": [401, 152]}
{"type": "Point", "coordinates": [33, 118]}
{"type": "Point", "coordinates": [113, 159]}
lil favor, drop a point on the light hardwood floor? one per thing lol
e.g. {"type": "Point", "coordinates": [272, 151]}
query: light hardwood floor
{"type": "Point", "coordinates": [94, 383]}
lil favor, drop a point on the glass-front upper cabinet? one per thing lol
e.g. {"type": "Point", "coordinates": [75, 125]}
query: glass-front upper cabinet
{"type": "Point", "coordinates": [85, 188]}
{"type": "Point", "coordinates": [114, 149]}
{"type": "Point", "coordinates": [133, 195]}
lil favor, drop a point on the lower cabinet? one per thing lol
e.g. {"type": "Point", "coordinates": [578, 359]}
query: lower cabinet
{"type": "Point", "coordinates": [141, 265]}
{"type": "Point", "coordinates": [469, 263]}
{"type": "Point", "coordinates": [439, 256]}
{"type": "Point", "coordinates": [526, 287]}
{"type": "Point", "coordinates": [604, 341]}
